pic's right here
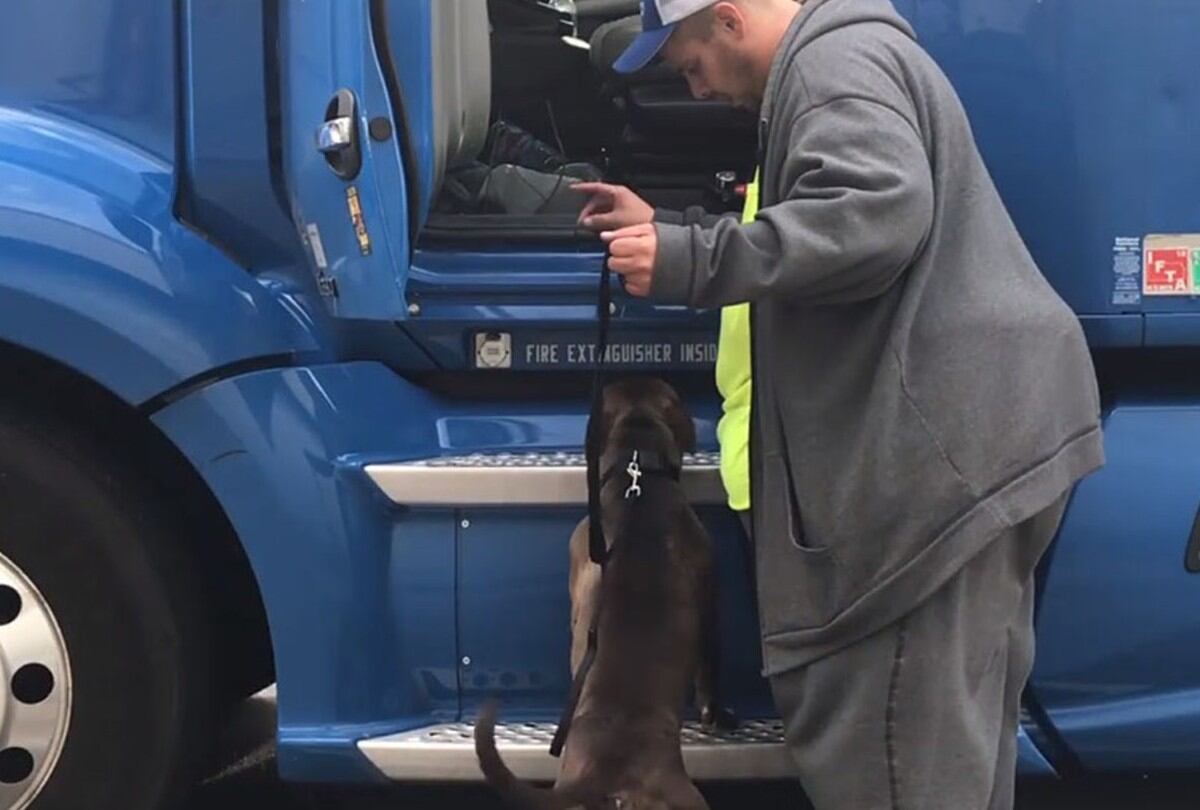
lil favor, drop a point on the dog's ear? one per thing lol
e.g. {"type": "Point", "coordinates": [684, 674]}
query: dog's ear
{"type": "Point", "coordinates": [677, 418]}
{"type": "Point", "coordinates": [614, 401]}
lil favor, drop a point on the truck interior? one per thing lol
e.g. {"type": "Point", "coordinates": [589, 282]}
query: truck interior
{"type": "Point", "coordinates": [527, 103]}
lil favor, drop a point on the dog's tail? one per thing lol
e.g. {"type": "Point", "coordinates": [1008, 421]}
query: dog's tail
{"type": "Point", "coordinates": [512, 790]}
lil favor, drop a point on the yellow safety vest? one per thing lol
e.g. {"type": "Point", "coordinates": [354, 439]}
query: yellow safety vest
{"type": "Point", "coordinates": [733, 383]}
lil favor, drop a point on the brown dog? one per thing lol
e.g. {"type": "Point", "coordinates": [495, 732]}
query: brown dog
{"type": "Point", "coordinates": [657, 625]}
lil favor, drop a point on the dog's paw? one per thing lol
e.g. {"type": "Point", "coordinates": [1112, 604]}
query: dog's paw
{"type": "Point", "coordinates": [712, 717]}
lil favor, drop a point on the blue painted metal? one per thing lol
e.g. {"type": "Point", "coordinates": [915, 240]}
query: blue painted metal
{"type": "Point", "coordinates": [1118, 665]}
{"type": "Point", "coordinates": [409, 27]}
{"type": "Point", "coordinates": [231, 190]}
{"type": "Point", "coordinates": [1173, 329]}
{"type": "Point", "coordinates": [514, 612]}
{"type": "Point", "coordinates": [106, 65]}
{"type": "Point", "coordinates": [325, 46]}
{"type": "Point", "coordinates": [443, 273]}
{"type": "Point", "coordinates": [532, 295]}
{"type": "Point", "coordinates": [1087, 113]}
{"type": "Point", "coordinates": [1113, 331]}
{"type": "Point", "coordinates": [1030, 761]}
{"type": "Point", "coordinates": [537, 425]}
{"type": "Point", "coordinates": [98, 275]}
{"type": "Point", "coordinates": [359, 596]}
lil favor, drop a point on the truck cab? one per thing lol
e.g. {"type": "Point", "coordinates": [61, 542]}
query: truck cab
{"type": "Point", "coordinates": [299, 324]}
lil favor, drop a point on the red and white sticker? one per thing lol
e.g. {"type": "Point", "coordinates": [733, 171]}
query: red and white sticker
{"type": "Point", "coordinates": [1172, 265]}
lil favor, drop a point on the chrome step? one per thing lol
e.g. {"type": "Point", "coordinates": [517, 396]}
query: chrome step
{"type": "Point", "coordinates": [446, 753]}
{"type": "Point", "coordinates": [519, 479]}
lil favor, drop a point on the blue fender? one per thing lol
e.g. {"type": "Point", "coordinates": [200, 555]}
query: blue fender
{"type": "Point", "coordinates": [359, 594]}
{"type": "Point", "coordinates": [96, 273]}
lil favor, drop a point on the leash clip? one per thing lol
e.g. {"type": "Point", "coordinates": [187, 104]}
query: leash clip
{"type": "Point", "coordinates": [634, 470]}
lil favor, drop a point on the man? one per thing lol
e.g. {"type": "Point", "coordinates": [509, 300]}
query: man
{"type": "Point", "coordinates": [923, 400]}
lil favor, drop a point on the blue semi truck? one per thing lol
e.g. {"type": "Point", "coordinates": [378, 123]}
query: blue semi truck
{"type": "Point", "coordinates": [296, 328]}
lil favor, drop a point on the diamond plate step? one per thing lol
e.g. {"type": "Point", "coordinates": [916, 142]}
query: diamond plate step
{"type": "Point", "coordinates": [519, 479]}
{"type": "Point", "coordinates": [446, 753]}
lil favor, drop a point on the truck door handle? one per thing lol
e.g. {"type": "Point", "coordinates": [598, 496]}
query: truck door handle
{"type": "Point", "coordinates": [338, 136]}
{"type": "Point", "coordinates": [335, 135]}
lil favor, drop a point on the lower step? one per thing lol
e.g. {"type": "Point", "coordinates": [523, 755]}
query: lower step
{"type": "Point", "coordinates": [446, 753]}
{"type": "Point", "coordinates": [519, 479]}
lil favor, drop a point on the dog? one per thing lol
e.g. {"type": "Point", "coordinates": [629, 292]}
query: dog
{"type": "Point", "coordinates": [657, 629]}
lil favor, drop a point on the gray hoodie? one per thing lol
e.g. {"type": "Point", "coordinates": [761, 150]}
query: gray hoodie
{"type": "Point", "coordinates": [918, 385]}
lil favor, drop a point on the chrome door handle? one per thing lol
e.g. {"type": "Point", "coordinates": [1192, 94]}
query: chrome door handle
{"type": "Point", "coordinates": [338, 136]}
{"type": "Point", "coordinates": [335, 135]}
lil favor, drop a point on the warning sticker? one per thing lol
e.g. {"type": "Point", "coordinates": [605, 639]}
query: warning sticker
{"type": "Point", "coordinates": [1172, 265]}
{"type": "Point", "coordinates": [1127, 271]}
{"type": "Point", "coordinates": [1168, 272]}
{"type": "Point", "coordinates": [356, 219]}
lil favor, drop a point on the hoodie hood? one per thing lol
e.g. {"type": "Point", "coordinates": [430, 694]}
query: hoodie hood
{"type": "Point", "coordinates": [817, 18]}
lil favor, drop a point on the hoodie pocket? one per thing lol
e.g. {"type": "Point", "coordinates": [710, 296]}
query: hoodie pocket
{"type": "Point", "coordinates": [795, 516]}
{"type": "Point", "coordinates": [797, 575]}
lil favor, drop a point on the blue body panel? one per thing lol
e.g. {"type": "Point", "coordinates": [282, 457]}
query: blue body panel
{"type": "Point", "coordinates": [1030, 760]}
{"type": "Point", "coordinates": [546, 296]}
{"type": "Point", "coordinates": [409, 27]}
{"type": "Point", "coordinates": [325, 46]}
{"type": "Point", "coordinates": [97, 274]}
{"type": "Point", "coordinates": [514, 612]}
{"type": "Point", "coordinates": [1088, 114]}
{"type": "Point", "coordinates": [1118, 664]}
{"type": "Point", "coordinates": [106, 65]}
{"type": "Point", "coordinates": [359, 596]}
{"type": "Point", "coordinates": [234, 191]}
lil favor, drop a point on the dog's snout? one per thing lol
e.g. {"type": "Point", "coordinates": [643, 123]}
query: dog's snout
{"type": "Point", "coordinates": [644, 429]}
{"type": "Point", "coordinates": [639, 419]}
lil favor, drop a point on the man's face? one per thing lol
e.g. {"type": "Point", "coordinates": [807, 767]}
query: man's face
{"type": "Point", "coordinates": [713, 60]}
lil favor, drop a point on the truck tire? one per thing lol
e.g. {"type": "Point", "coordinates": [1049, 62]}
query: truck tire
{"type": "Point", "coordinates": [103, 650]}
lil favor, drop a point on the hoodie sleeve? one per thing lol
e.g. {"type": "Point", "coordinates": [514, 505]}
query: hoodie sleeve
{"type": "Point", "coordinates": [693, 215]}
{"type": "Point", "coordinates": [857, 211]}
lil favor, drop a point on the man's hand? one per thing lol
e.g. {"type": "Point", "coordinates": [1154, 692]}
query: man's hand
{"type": "Point", "coordinates": [631, 253]}
{"type": "Point", "coordinates": [612, 207]}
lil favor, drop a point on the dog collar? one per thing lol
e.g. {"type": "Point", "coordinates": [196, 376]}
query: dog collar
{"type": "Point", "coordinates": [639, 464]}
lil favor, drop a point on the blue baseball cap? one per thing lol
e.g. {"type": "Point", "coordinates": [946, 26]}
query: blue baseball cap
{"type": "Point", "coordinates": [659, 18]}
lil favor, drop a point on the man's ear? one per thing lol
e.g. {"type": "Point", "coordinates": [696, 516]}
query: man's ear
{"type": "Point", "coordinates": [729, 18]}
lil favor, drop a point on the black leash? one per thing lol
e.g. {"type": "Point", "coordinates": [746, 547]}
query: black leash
{"type": "Point", "coordinates": [640, 464]}
{"type": "Point", "coordinates": [597, 546]}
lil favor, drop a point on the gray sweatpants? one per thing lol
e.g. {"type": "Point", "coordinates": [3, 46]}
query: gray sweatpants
{"type": "Point", "coordinates": [923, 715]}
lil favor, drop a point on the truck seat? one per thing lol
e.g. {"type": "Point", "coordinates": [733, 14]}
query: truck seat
{"type": "Point", "coordinates": [469, 176]}
{"type": "Point", "coordinates": [462, 83]}
{"type": "Point", "coordinates": [591, 14]}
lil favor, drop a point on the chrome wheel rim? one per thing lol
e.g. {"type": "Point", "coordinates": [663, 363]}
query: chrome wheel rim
{"type": "Point", "coordinates": [36, 674]}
